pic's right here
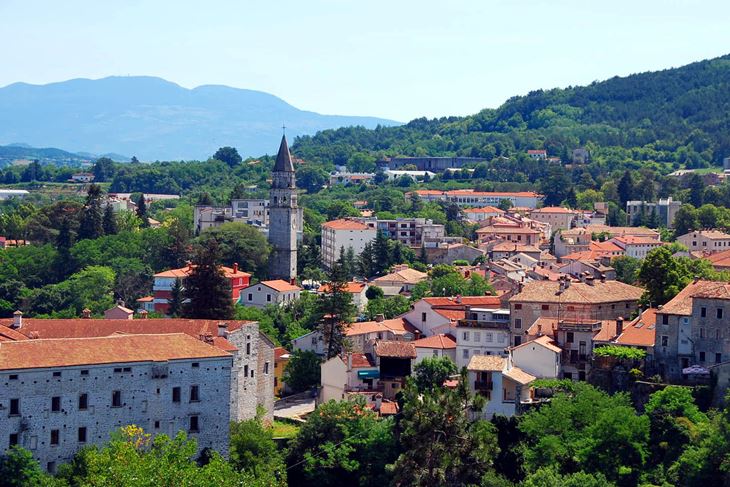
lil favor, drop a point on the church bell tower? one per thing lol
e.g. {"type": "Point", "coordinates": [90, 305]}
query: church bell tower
{"type": "Point", "coordinates": [283, 212]}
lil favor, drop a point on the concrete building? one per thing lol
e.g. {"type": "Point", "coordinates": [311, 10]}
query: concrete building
{"type": "Point", "coordinates": [252, 378]}
{"type": "Point", "coordinates": [435, 346]}
{"type": "Point", "coordinates": [269, 293]}
{"type": "Point", "coordinates": [476, 199]}
{"type": "Point", "coordinates": [409, 231]}
{"type": "Point", "coordinates": [251, 211]}
{"type": "Point", "coordinates": [539, 357]}
{"type": "Point", "coordinates": [402, 277]}
{"type": "Point", "coordinates": [283, 217]}
{"type": "Point", "coordinates": [557, 217]}
{"type": "Point", "coordinates": [393, 175]}
{"type": "Point", "coordinates": [693, 329]}
{"type": "Point", "coordinates": [503, 385]}
{"type": "Point", "coordinates": [589, 301]}
{"type": "Point", "coordinates": [484, 331]}
{"type": "Point", "coordinates": [355, 289]}
{"type": "Point", "coordinates": [518, 234]}
{"type": "Point", "coordinates": [665, 209]}
{"type": "Point", "coordinates": [439, 315]}
{"type": "Point", "coordinates": [61, 395]}
{"type": "Point", "coordinates": [350, 178]}
{"type": "Point", "coordinates": [537, 154]}
{"type": "Point", "coordinates": [486, 213]}
{"type": "Point", "coordinates": [709, 241]}
{"type": "Point", "coordinates": [437, 164]}
{"type": "Point", "coordinates": [636, 247]}
{"type": "Point", "coordinates": [343, 234]}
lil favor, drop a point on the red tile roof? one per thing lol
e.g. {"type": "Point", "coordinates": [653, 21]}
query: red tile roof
{"type": "Point", "coordinates": [577, 292]}
{"type": "Point", "coordinates": [720, 260]}
{"type": "Point", "coordinates": [279, 285]}
{"type": "Point", "coordinates": [440, 341]}
{"type": "Point", "coordinates": [353, 287]}
{"type": "Point", "coordinates": [452, 314]}
{"type": "Point", "coordinates": [681, 304]}
{"type": "Point", "coordinates": [68, 352]}
{"type": "Point", "coordinates": [393, 349]}
{"type": "Point", "coordinates": [641, 331]}
{"type": "Point", "coordinates": [482, 301]}
{"type": "Point", "coordinates": [183, 272]}
{"type": "Point", "coordinates": [388, 408]}
{"type": "Point", "coordinates": [553, 209]}
{"type": "Point", "coordinates": [279, 352]}
{"type": "Point", "coordinates": [345, 224]}
{"type": "Point", "coordinates": [398, 326]}
{"type": "Point", "coordinates": [543, 340]}
{"type": "Point", "coordinates": [362, 360]}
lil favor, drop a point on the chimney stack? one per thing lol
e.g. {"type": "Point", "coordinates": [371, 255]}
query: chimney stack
{"type": "Point", "coordinates": [86, 313]}
{"type": "Point", "coordinates": [380, 317]}
{"type": "Point", "coordinates": [223, 329]}
{"type": "Point", "coordinates": [619, 325]}
{"type": "Point", "coordinates": [17, 320]}
{"type": "Point", "coordinates": [143, 314]}
{"type": "Point", "coordinates": [235, 267]}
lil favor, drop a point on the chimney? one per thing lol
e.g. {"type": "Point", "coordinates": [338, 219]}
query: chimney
{"type": "Point", "coordinates": [293, 281]}
{"type": "Point", "coordinates": [619, 325]}
{"type": "Point", "coordinates": [17, 320]}
{"type": "Point", "coordinates": [235, 267]}
{"type": "Point", "coordinates": [590, 281]}
{"type": "Point", "coordinates": [143, 314]}
{"type": "Point", "coordinates": [380, 317]}
{"type": "Point", "coordinates": [223, 329]}
{"type": "Point", "coordinates": [349, 361]}
{"type": "Point", "coordinates": [458, 298]}
{"type": "Point", "coordinates": [603, 278]}
{"type": "Point", "coordinates": [86, 313]}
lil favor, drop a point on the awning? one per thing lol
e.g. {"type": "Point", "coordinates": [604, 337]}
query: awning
{"type": "Point", "coordinates": [368, 374]}
{"type": "Point", "coordinates": [695, 370]}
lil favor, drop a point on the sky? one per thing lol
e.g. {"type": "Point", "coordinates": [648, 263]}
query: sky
{"type": "Point", "coordinates": [398, 59]}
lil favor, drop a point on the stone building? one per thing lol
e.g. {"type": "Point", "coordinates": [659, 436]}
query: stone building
{"type": "Point", "coordinates": [57, 396]}
{"type": "Point", "coordinates": [251, 377]}
{"type": "Point", "coordinates": [283, 217]}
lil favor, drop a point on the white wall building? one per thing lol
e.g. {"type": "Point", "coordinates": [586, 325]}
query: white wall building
{"type": "Point", "coordinates": [343, 234]}
{"type": "Point", "coordinates": [539, 357]}
{"type": "Point", "coordinates": [265, 293]}
{"type": "Point", "coordinates": [483, 332]}
{"type": "Point", "coordinates": [436, 346]}
{"type": "Point", "coordinates": [471, 198]}
{"type": "Point", "coordinates": [501, 383]}
{"type": "Point", "coordinates": [710, 241]}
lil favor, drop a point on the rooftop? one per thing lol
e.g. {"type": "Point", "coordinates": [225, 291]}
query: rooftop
{"type": "Point", "coordinates": [486, 363]}
{"type": "Point", "coordinates": [440, 341]}
{"type": "Point", "coordinates": [183, 272]}
{"type": "Point", "coordinates": [461, 301]}
{"type": "Point", "coordinates": [394, 349]}
{"type": "Point", "coordinates": [681, 304]}
{"type": "Point", "coordinates": [553, 209]}
{"type": "Point", "coordinates": [641, 331]}
{"type": "Point", "coordinates": [346, 224]}
{"type": "Point", "coordinates": [68, 352]}
{"type": "Point", "coordinates": [397, 326]}
{"type": "Point", "coordinates": [542, 340]}
{"type": "Point", "coordinates": [577, 292]}
{"type": "Point", "coordinates": [279, 285]}
{"type": "Point", "coordinates": [404, 275]}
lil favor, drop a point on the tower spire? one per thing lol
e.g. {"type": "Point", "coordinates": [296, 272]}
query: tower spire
{"type": "Point", "coordinates": [283, 158]}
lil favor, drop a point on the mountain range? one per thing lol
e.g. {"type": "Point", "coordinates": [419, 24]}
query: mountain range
{"type": "Point", "coordinates": [155, 119]}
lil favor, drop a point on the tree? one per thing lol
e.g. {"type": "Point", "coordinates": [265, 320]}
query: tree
{"type": "Point", "coordinates": [92, 215]}
{"type": "Point", "coordinates": [175, 303]}
{"type": "Point", "coordinates": [142, 211]}
{"type": "Point", "coordinates": [627, 268]}
{"type": "Point", "coordinates": [343, 443]}
{"type": "Point", "coordinates": [239, 243]}
{"type": "Point", "coordinates": [440, 444]}
{"type": "Point", "coordinates": [103, 169]}
{"type": "Point", "coordinates": [302, 371]}
{"type": "Point", "coordinates": [18, 468]}
{"type": "Point", "coordinates": [625, 188]}
{"type": "Point", "coordinates": [311, 178]}
{"type": "Point", "coordinates": [229, 155]}
{"type": "Point", "coordinates": [388, 307]}
{"type": "Point", "coordinates": [686, 220]}
{"type": "Point", "coordinates": [431, 372]}
{"type": "Point", "coordinates": [550, 477]}
{"type": "Point", "coordinates": [254, 452]}
{"type": "Point", "coordinates": [382, 254]}
{"type": "Point", "coordinates": [207, 289]}
{"type": "Point", "coordinates": [696, 190]}
{"type": "Point", "coordinates": [109, 223]}
{"type": "Point", "coordinates": [662, 275]}
{"type": "Point", "coordinates": [374, 292]}
{"type": "Point", "coordinates": [337, 309]}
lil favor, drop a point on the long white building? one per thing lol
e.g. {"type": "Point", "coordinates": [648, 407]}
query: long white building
{"type": "Point", "coordinates": [478, 199]}
{"type": "Point", "coordinates": [344, 234]}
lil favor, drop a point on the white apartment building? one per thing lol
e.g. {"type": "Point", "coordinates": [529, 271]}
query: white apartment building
{"type": "Point", "coordinates": [636, 247]}
{"type": "Point", "coordinates": [59, 395]}
{"type": "Point", "coordinates": [344, 234]}
{"type": "Point", "coordinates": [483, 332]}
{"type": "Point", "coordinates": [471, 198]}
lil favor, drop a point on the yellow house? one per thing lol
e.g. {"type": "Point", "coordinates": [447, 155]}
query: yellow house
{"type": "Point", "coordinates": [281, 358]}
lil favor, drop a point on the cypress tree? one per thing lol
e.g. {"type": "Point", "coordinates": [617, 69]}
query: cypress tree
{"type": "Point", "coordinates": [142, 211]}
{"type": "Point", "coordinates": [92, 216]}
{"type": "Point", "coordinates": [207, 290]}
{"type": "Point", "coordinates": [337, 309]}
{"type": "Point", "coordinates": [176, 299]}
{"type": "Point", "coordinates": [110, 221]}
{"type": "Point", "coordinates": [381, 249]}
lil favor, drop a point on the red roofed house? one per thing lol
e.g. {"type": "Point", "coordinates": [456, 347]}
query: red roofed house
{"type": "Point", "coordinates": [539, 154]}
{"type": "Point", "coordinates": [266, 293]}
{"type": "Point", "coordinates": [351, 372]}
{"type": "Point", "coordinates": [484, 213]}
{"type": "Point", "coordinates": [557, 217]}
{"type": "Point", "coordinates": [440, 315]}
{"type": "Point", "coordinates": [435, 346]}
{"type": "Point", "coordinates": [356, 289]}
{"type": "Point", "coordinates": [483, 331]}
{"type": "Point", "coordinates": [164, 282]}
{"type": "Point", "coordinates": [539, 357]}
{"type": "Point", "coordinates": [636, 247]}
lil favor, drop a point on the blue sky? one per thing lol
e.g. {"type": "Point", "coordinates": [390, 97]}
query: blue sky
{"type": "Point", "coordinates": [398, 59]}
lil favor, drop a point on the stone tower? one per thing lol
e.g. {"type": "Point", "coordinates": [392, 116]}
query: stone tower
{"type": "Point", "coordinates": [283, 211]}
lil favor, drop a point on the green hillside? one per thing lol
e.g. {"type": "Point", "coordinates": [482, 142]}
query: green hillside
{"type": "Point", "coordinates": [679, 116]}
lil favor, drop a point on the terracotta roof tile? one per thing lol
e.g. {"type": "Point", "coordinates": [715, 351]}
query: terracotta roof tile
{"type": "Point", "coordinates": [404, 275]}
{"type": "Point", "coordinates": [393, 349]}
{"type": "Point", "coordinates": [484, 301]}
{"type": "Point", "coordinates": [553, 209]}
{"type": "Point", "coordinates": [681, 304]}
{"type": "Point", "coordinates": [398, 326]}
{"type": "Point", "coordinates": [543, 340]}
{"type": "Point", "coordinates": [345, 224]}
{"type": "Point", "coordinates": [641, 332]}
{"type": "Point", "coordinates": [520, 376]}
{"type": "Point", "coordinates": [577, 292]}
{"type": "Point", "coordinates": [183, 272]}
{"type": "Point", "coordinates": [720, 260]}
{"type": "Point", "coordinates": [486, 363]}
{"type": "Point", "coordinates": [440, 341]}
{"type": "Point", "coordinates": [451, 314]}
{"type": "Point", "coordinates": [353, 287]}
{"type": "Point", "coordinates": [68, 352]}
{"type": "Point", "coordinates": [362, 360]}
{"type": "Point", "coordinates": [279, 285]}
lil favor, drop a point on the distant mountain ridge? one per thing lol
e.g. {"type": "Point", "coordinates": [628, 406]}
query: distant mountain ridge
{"type": "Point", "coordinates": [21, 151]}
{"type": "Point", "coordinates": [152, 118]}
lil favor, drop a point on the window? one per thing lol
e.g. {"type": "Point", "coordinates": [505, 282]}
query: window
{"type": "Point", "coordinates": [489, 337]}
{"type": "Point", "coordinates": [266, 367]}
{"type": "Point", "coordinates": [665, 341]}
{"type": "Point", "coordinates": [194, 424]}
{"type": "Point", "coordinates": [15, 407]}
{"type": "Point", "coordinates": [518, 341]}
{"type": "Point", "coordinates": [13, 440]}
{"type": "Point", "coordinates": [702, 356]}
{"type": "Point", "coordinates": [175, 394]}
{"type": "Point", "coordinates": [719, 313]}
{"type": "Point", "coordinates": [665, 319]}
{"type": "Point", "coordinates": [13, 377]}
{"type": "Point", "coordinates": [85, 372]}
{"type": "Point", "coordinates": [569, 337]}
{"type": "Point", "coordinates": [194, 394]}
{"type": "Point", "coordinates": [477, 336]}
{"type": "Point", "coordinates": [117, 399]}
{"type": "Point", "coordinates": [465, 353]}
{"type": "Point", "coordinates": [157, 424]}
{"type": "Point", "coordinates": [195, 365]}
{"type": "Point", "coordinates": [567, 375]}
{"type": "Point", "coordinates": [545, 307]}
{"type": "Point", "coordinates": [703, 312]}
{"type": "Point", "coordinates": [82, 434]}
{"type": "Point", "coordinates": [55, 404]}
{"type": "Point", "coordinates": [518, 322]}
{"type": "Point", "coordinates": [718, 358]}
{"type": "Point", "coordinates": [250, 297]}
{"type": "Point", "coordinates": [518, 306]}
{"type": "Point", "coordinates": [423, 316]}
{"type": "Point", "coordinates": [435, 353]}
{"type": "Point", "coordinates": [718, 334]}
{"type": "Point", "coordinates": [465, 336]}
{"type": "Point", "coordinates": [702, 333]}
{"type": "Point", "coordinates": [268, 298]}
{"type": "Point", "coordinates": [581, 375]}
{"type": "Point", "coordinates": [55, 437]}
{"type": "Point", "coordinates": [56, 374]}
{"type": "Point", "coordinates": [51, 467]}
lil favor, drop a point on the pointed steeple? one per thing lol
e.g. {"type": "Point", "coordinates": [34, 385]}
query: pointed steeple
{"type": "Point", "coordinates": [283, 158]}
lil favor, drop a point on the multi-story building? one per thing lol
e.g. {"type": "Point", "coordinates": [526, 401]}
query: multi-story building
{"type": "Point", "coordinates": [165, 281]}
{"type": "Point", "coordinates": [665, 209]}
{"type": "Point", "coordinates": [537, 154]}
{"type": "Point", "coordinates": [276, 292]}
{"type": "Point", "coordinates": [338, 235]}
{"type": "Point", "coordinates": [410, 231]}
{"type": "Point", "coordinates": [519, 234]}
{"type": "Point", "coordinates": [350, 178]}
{"type": "Point", "coordinates": [483, 214]}
{"type": "Point", "coordinates": [709, 241]}
{"type": "Point", "coordinates": [252, 378]}
{"type": "Point", "coordinates": [251, 211]}
{"type": "Point", "coordinates": [471, 198]}
{"type": "Point", "coordinates": [557, 217]}
{"type": "Point", "coordinates": [61, 395]}
{"type": "Point", "coordinates": [430, 163]}
{"type": "Point", "coordinates": [441, 345]}
{"type": "Point", "coordinates": [504, 385]}
{"type": "Point", "coordinates": [435, 315]}
{"type": "Point", "coordinates": [484, 331]}
{"type": "Point", "coordinates": [693, 328]}
{"type": "Point", "coordinates": [636, 247]}
{"type": "Point", "coordinates": [588, 301]}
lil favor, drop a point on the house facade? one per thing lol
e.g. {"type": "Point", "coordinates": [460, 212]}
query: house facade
{"type": "Point", "coordinates": [269, 293]}
{"type": "Point", "coordinates": [344, 234]}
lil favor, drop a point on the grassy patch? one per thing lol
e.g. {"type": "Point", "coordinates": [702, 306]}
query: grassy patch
{"type": "Point", "coordinates": [284, 430]}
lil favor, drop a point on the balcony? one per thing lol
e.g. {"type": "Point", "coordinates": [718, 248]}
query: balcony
{"type": "Point", "coordinates": [491, 325]}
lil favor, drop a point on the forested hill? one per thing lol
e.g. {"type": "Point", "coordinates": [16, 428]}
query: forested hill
{"type": "Point", "coordinates": [683, 111]}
